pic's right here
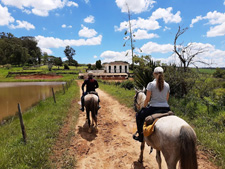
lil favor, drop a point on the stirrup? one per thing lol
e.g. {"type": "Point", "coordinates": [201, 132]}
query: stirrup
{"type": "Point", "coordinates": [138, 138]}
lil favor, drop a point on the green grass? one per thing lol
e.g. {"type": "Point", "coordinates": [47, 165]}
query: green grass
{"type": "Point", "coordinates": [42, 124]}
{"type": "Point", "coordinates": [122, 95]}
{"type": "Point", "coordinates": [205, 71]}
{"type": "Point", "coordinates": [4, 73]}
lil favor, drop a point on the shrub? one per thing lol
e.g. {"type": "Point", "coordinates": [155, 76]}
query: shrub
{"type": "Point", "coordinates": [66, 67]}
{"type": "Point", "coordinates": [127, 84]}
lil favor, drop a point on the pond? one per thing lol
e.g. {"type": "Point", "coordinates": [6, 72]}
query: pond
{"type": "Point", "coordinates": [25, 93]}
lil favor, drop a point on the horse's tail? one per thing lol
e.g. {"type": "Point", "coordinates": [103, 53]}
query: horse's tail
{"type": "Point", "coordinates": [188, 148]}
{"type": "Point", "coordinates": [93, 107]}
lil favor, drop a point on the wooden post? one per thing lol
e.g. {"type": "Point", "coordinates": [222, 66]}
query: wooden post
{"type": "Point", "coordinates": [53, 94]}
{"type": "Point", "coordinates": [63, 88]}
{"type": "Point", "coordinates": [22, 125]}
{"type": "Point", "coordinates": [66, 85]}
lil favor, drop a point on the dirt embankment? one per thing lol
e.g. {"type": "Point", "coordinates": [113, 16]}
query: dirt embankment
{"type": "Point", "coordinates": [38, 76]}
{"type": "Point", "coordinates": [112, 146]}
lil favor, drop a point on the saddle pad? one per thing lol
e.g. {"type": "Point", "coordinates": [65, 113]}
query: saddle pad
{"type": "Point", "coordinates": [148, 130]}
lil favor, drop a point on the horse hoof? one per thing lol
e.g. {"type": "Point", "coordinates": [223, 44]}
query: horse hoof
{"type": "Point", "coordinates": [96, 128]}
{"type": "Point", "coordinates": [140, 160]}
{"type": "Point", "coordinates": [89, 130]}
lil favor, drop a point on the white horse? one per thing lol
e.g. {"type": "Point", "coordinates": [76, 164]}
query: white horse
{"type": "Point", "coordinates": [91, 105]}
{"type": "Point", "coordinates": [174, 137]}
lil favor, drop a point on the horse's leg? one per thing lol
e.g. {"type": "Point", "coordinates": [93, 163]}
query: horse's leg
{"type": "Point", "coordinates": [89, 121]}
{"type": "Point", "coordinates": [142, 151]}
{"type": "Point", "coordinates": [170, 159]}
{"type": "Point", "coordinates": [158, 158]}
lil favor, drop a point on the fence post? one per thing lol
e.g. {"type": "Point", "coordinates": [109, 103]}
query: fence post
{"type": "Point", "coordinates": [53, 94]}
{"type": "Point", "coordinates": [21, 124]}
{"type": "Point", "coordinates": [63, 89]}
{"type": "Point", "coordinates": [67, 85]}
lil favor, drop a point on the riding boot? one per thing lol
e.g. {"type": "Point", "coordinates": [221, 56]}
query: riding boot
{"type": "Point", "coordinates": [140, 136]}
{"type": "Point", "coordinates": [82, 104]}
{"type": "Point", "coordinates": [98, 104]}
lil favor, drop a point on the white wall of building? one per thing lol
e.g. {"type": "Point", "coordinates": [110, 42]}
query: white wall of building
{"type": "Point", "coordinates": [117, 68]}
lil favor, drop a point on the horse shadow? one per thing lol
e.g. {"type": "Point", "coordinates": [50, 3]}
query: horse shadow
{"type": "Point", "coordinates": [83, 131]}
{"type": "Point", "coordinates": [138, 165]}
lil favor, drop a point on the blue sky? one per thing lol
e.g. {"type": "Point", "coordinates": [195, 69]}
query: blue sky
{"type": "Point", "coordinates": [95, 28]}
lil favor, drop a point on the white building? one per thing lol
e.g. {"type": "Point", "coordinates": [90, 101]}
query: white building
{"type": "Point", "coordinates": [116, 67]}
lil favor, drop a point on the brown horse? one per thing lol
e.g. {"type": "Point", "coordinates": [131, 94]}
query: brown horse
{"type": "Point", "coordinates": [172, 136]}
{"type": "Point", "coordinates": [91, 105]}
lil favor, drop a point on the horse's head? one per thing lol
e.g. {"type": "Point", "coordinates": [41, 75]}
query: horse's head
{"type": "Point", "coordinates": [139, 99]}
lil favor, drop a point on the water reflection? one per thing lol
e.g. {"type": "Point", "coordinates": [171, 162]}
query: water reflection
{"type": "Point", "coordinates": [25, 93]}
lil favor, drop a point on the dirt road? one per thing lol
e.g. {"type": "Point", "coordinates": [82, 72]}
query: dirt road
{"type": "Point", "coordinates": [112, 146]}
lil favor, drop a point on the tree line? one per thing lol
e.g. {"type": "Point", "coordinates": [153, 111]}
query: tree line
{"type": "Point", "coordinates": [23, 51]}
{"type": "Point", "coordinates": [18, 51]}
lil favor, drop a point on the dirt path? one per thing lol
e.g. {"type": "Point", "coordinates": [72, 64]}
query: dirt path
{"type": "Point", "coordinates": [112, 146]}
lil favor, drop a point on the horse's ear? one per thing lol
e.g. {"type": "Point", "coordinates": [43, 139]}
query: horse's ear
{"type": "Point", "coordinates": [136, 89]}
{"type": "Point", "coordinates": [143, 89]}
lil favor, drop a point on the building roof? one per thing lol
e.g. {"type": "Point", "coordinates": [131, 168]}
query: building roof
{"type": "Point", "coordinates": [116, 63]}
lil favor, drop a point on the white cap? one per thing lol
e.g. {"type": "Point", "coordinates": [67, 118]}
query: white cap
{"type": "Point", "coordinates": [158, 70]}
{"type": "Point", "coordinates": [90, 73]}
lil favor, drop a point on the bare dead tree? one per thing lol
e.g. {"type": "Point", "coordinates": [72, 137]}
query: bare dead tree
{"type": "Point", "coordinates": [187, 53]}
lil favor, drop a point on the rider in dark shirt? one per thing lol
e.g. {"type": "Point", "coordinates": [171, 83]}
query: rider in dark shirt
{"type": "Point", "coordinates": [91, 84]}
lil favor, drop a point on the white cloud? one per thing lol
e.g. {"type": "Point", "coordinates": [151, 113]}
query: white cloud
{"type": "Point", "coordinates": [143, 34]}
{"type": "Point", "coordinates": [195, 20]}
{"type": "Point", "coordinates": [22, 24]}
{"type": "Point", "coordinates": [89, 19]}
{"type": "Point", "coordinates": [110, 56]}
{"type": "Point", "coordinates": [140, 23]}
{"type": "Point", "coordinates": [151, 23]}
{"type": "Point", "coordinates": [166, 15]}
{"type": "Point", "coordinates": [95, 56]}
{"type": "Point", "coordinates": [152, 47]}
{"type": "Point", "coordinates": [64, 58]}
{"type": "Point", "coordinates": [212, 56]}
{"type": "Point", "coordinates": [5, 16]}
{"type": "Point", "coordinates": [65, 26]}
{"type": "Point", "coordinates": [50, 42]}
{"type": "Point", "coordinates": [71, 3]}
{"type": "Point", "coordinates": [40, 8]}
{"type": "Point", "coordinates": [166, 28]}
{"type": "Point", "coordinates": [224, 2]}
{"type": "Point", "coordinates": [216, 19]}
{"type": "Point", "coordinates": [135, 6]}
{"type": "Point", "coordinates": [26, 11]}
{"type": "Point", "coordinates": [86, 32]}
{"type": "Point", "coordinates": [218, 30]}
{"type": "Point", "coordinates": [86, 1]}
{"type": "Point", "coordinates": [46, 50]}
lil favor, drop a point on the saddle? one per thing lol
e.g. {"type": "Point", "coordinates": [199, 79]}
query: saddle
{"type": "Point", "coordinates": [148, 127]}
{"type": "Point", "coordinates": [93, 92]}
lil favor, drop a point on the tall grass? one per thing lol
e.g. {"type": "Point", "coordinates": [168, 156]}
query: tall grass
{"type": "Point", "coordinates": [42, 124]}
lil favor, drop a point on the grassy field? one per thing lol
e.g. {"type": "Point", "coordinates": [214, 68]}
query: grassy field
{"type": "Point", "coordinates": [205, 71]}
{"type": "Point", "coordinates": [42, 124]}
{"type": "Point", "coordinates": [4, 73]}
{"type": "Point", "coordinates": [211, 135]}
